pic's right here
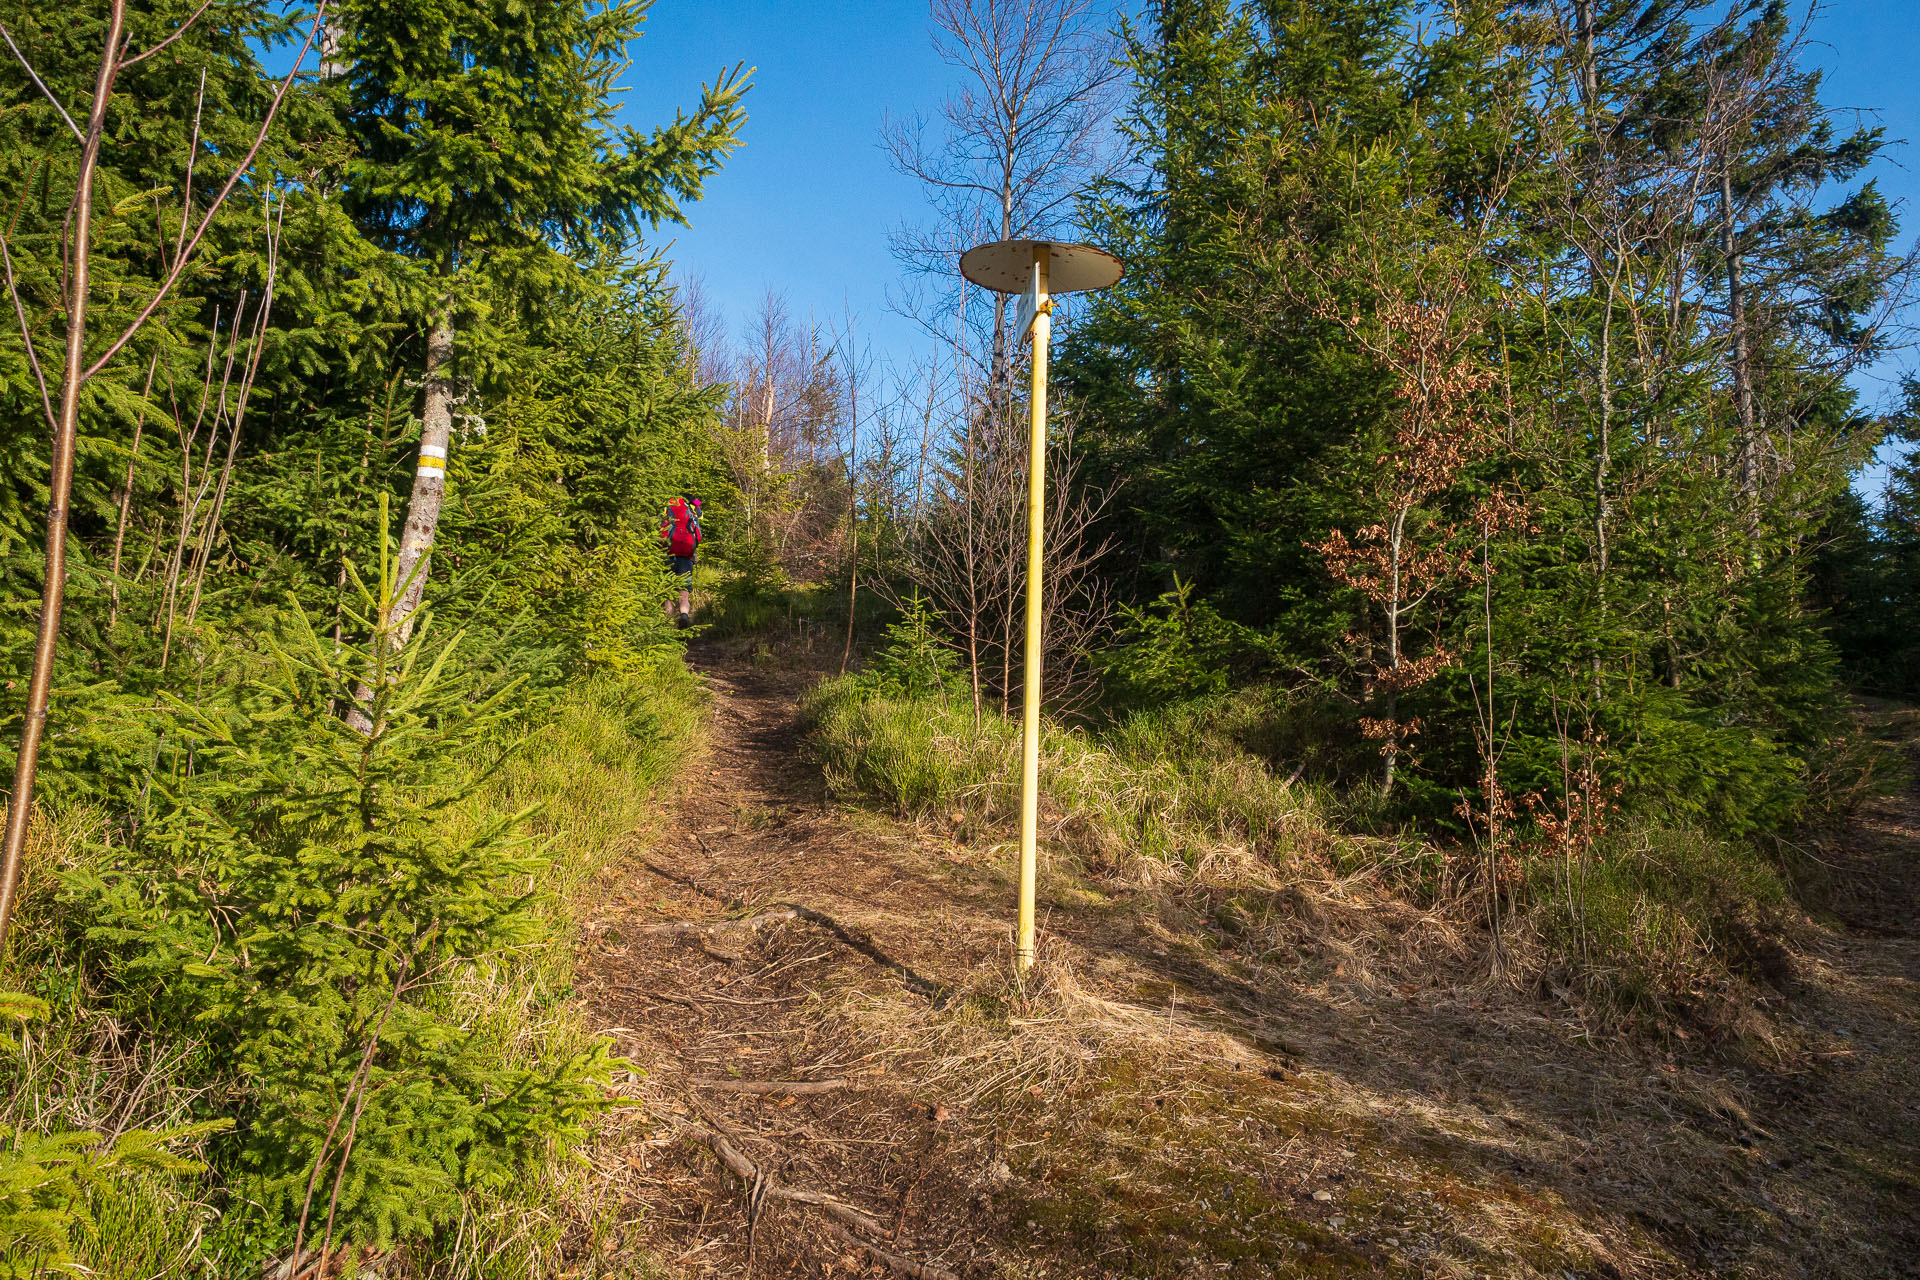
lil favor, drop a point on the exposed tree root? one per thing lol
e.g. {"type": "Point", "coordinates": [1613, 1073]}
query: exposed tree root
{"type": "Point", "coordinates": [861, 941]}
{"type": "Point", "coordinates": [795, 1087]}
{"type": "Point", "coordinates": [765, 1187]}
{"type": "Point", "coordinates": [894, 1262]}
{"type": "Point", "coordinates": [699, 927]}
{"type": "Point", "coordinates": [855, 939]}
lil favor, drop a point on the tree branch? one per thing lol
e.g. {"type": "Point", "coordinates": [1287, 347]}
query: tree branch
{"type": "Point", "coordinates": [246, 162]}
{"type": "Point", "coordinates": [177, 33]}
{"type": "Point", "coordinates": [26, 337]}
{"type": "Point", "coordinates": [41, 84]}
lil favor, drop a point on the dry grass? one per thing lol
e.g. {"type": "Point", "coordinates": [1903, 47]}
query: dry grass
{"type": "Point", "coordinates": [1658, 924]}
{"type": "Point", "coordinates": [596, 766]}
{"type": "Point", "coordinates": [1233, 1063]}
{"type": "Point", "coordinates": [85, 1070]}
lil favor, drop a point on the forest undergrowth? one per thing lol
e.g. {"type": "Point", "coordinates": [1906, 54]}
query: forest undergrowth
{"type": "Point", "coordinates": [577, 777]}
{"type": "Point", "coordinates": [1650, 924]}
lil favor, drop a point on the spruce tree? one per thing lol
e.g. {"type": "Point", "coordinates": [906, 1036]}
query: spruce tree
{"type": "Point", "coordinates": [487, 149]}
{"type": "Point", "coordinates": [298, 898]}
{"type": "Point", "coordinates": [1305, 169]}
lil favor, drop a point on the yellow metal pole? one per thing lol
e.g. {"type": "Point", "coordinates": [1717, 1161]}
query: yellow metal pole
{"type": "Point", "coordinates": [1030, 708]}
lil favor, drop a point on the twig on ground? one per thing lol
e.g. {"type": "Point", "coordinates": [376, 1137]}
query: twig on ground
{"type": "Point", "coordinates": [724, 957]}
{"type": "Point", "coordinates": [662, 996]}
{"type": "Point", "coordinates": [795, 1087]}
{"type": "Point", "coordinates": [763, 975]}
{"type": "Point", "coordinates": [732, 904]}
{"type": "Point", "coordinates": [692, 1002]}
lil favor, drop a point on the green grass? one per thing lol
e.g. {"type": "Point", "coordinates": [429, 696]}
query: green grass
{"type": "Point", "coordinates": [1171, 790]}
{"type": "Point", "coordinates": [596, 766]}
{"type": "Point", "coordinates": [1657, 919]}
{"type": "Point", "coordinates": [1662, 918]}
{"type": "Point", "coordinates": [144, 1226]}
{"type": "Point", "coordinates": [79, 1071]}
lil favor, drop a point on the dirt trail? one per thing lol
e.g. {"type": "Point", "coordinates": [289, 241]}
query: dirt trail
{"type": "Point", "coordinates": [1158, 1104]}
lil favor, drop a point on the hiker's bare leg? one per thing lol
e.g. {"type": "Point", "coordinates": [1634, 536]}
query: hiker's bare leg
{"type": "Point", "coordinates": [686, 600]}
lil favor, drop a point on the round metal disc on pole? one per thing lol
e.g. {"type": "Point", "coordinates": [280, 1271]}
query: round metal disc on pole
{"type": "Point", "coordinates": [1005, 266]}
{"type": "Point", "coordinates": [1037, 270]}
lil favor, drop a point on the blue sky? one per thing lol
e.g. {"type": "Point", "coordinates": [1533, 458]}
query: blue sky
{"type": "Point", "coordinates": [805, 206]}
{"type": "Point", "coordinates": [1871, 51]}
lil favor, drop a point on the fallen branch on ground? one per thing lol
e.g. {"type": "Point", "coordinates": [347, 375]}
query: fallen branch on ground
{"type": "Point", "coordinates": [796, 1087]}
{"type": "Point", "coordinates": [893, 1261]}
{"type": "Point", "coordinates": [719, 926]}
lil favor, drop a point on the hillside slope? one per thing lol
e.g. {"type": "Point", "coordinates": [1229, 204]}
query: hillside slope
{"type": "Point", "coordinates": [1154, 1103]}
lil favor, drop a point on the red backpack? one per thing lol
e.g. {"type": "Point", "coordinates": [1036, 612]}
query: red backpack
{"type": "Point", "coordinates": [684, 538]}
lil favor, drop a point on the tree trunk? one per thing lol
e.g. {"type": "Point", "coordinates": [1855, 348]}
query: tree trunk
{"type": "Point", "coordinates": [853, 517]}
{"type": "Point", "coordinates": [247, 376]}
{"type": "Point", "coordinates": [1589, 65]}
{"type": "Point", "coordinates": [971, 550]}
{"type": "Point", "coordinates": [1739, 358]}
{"type": "Point", "coordinates": [33, 720]}
{"type": "Point", "coordinates": [429, 476]}
{"type": "Point", "coordinates": [1602, 473]}
{"type": "Point", "coordinates": [333, 40]}
{"type": "Point", "coordinates": [1398, 544]}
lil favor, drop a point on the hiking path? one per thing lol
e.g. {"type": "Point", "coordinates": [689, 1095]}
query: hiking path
{"type": "Point", "coordinates": [841, 1077]}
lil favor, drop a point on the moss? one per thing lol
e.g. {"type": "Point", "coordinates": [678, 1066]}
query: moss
{"type": "Point", "coordinates": [1166, 1184]}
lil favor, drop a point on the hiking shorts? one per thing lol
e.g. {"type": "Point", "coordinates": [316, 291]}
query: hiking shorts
{"type": "Point", "coordinates": [680, 566]}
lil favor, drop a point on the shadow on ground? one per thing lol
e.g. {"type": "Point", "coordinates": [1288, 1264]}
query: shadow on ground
{"type": "Point", "coordinates": [1155, 1104]}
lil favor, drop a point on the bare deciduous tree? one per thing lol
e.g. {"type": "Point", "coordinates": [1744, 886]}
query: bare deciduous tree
{"type": "Point", "coordinates": [780, 435]}
{"type": "Point", "coordinates": [76, 370]}
{"type": "Point", "coordinates": [1025, 133]}
{"type": "Point", "coordinates": [967, 558]}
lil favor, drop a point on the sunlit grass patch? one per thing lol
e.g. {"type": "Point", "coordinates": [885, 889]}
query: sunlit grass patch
{"type": "Point", "coordinates": [591, 767]}
{"type": "Point", "coordinates": [1147, 796]}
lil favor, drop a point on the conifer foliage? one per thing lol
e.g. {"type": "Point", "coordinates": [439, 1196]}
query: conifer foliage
{"type": "Point", "coordinates": [298, 896]}
{"type": "Point", "coordinates": [487, 149]}
{"type": "Point", "coordinates": [1500, 346]}
{"type": "Point", "coordinates": [46, 1179]}
{"type": "Point", "coordinates": [303, 914]}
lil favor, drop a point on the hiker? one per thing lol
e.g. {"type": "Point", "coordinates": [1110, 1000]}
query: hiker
{"type": "Point", "coordinates": [680, 530]}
